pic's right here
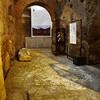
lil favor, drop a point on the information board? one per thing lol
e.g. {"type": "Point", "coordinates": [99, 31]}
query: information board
{"type": "Point", "coordinates": [73, 33]}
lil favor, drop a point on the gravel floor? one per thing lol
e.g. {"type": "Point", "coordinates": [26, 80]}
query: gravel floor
{"type": "Point", "coordinates": [37, 80]}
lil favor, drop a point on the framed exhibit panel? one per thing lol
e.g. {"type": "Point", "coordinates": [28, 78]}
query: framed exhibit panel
{"type": "Point", "coordinates": [72, 36]}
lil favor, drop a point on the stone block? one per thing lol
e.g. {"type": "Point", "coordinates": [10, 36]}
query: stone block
{"type": "Point", "coordinates": [24, 55]}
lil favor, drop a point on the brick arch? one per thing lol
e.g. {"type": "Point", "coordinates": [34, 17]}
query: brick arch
{"type": "Point", "coordinates": [20, 6]}
{"type": "Point", "coordinates": [44, 6]}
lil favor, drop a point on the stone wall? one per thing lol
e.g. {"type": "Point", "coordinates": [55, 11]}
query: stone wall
{"type": "Point", "coordinates": [8, 36]}
{"type": "Point", "coordinates": [2, 88]}
{"type": "Point", "coordinates": [7, 42]}
{"type": "Point", "coordinates": [26, 22]}
{"type": "Point", "coordinates": [93, 30]}
{"type": "Point", "coordinates": [88, 11]}
{"type": "Point", "coordinates": [38, 42]}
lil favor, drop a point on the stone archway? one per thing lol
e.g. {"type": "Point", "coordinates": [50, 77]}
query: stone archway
{"type": "Point", "coordinates": [2, 89]}
{"type": "Point", "coordinates": [19, 11]}
{"type": "Point", "coordinates": [37, 41]}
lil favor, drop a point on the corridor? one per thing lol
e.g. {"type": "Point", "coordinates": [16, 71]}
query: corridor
{"type": "Point", "coordinates": [46, 77]}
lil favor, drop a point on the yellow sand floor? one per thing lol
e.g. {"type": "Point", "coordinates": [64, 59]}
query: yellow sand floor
{"type": "Point", "coordinates": [36, 80]}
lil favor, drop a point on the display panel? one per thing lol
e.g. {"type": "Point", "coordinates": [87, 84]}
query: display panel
{"type": "Point", "coordinates": [73, 33]}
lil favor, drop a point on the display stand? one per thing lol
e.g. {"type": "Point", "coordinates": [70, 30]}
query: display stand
{"type": "Point", "coordinates": [78, 60]}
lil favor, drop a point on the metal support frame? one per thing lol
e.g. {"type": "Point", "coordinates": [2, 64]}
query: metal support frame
{"type": "Point", "coordinates": [80, 38]}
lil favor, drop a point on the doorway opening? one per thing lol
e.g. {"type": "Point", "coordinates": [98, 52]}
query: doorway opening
{"type": "Point", "coordinates": [37, 27]}
{"type": "Point", "coordinates": [41, 23]}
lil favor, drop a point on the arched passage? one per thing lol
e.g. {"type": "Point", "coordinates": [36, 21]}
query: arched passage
{"type": "Point", "coordinates": [37, 27]}
{"type": "Point", "coordinates": [19, 28]}
{"type": "Point", "coordinates": [53, 9]}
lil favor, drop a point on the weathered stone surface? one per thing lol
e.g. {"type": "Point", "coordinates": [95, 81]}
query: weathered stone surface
{"type": "Point", "coordinates": [7, 33]}
{"type": "Point", "coordinates": [88, 11]}
{"type": "Point", "coordinates": [40, 80]}
{"type": "Point", "coordinates": [12, 30]}
{"type": "Point", "coordinates": [2, 88]}
{"type": "Point", "coordinates": [64, 12]}
{"type": "Point", "coordinates": [38, 42]}
{"type": "Point", "coordinates": [24, 55]}
{"type": "Point", "coordinates": [94, 50]}
{"type": "Point", "coordinates": [6, 63]}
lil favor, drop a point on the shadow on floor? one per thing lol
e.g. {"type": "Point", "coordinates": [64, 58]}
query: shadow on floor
{"type": "Point", "coordinates": [88, 76]}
